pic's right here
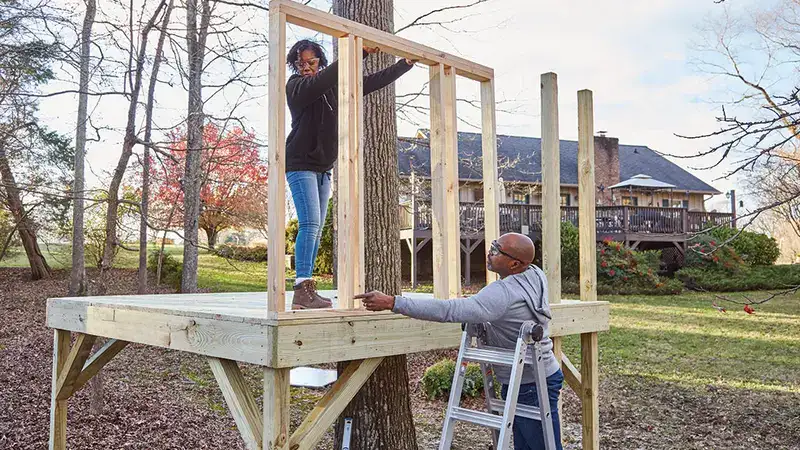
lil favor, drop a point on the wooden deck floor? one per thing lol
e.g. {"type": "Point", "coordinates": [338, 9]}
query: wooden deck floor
{"type": "Point", "coordinates": [235, 326]}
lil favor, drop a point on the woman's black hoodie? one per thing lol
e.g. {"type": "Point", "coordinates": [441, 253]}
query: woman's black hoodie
{"type": "Point", "coordinates": [313, 142]}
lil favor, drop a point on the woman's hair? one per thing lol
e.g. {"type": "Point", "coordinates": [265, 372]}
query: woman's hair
{"type": "Point", "coordinates": [300, 47]}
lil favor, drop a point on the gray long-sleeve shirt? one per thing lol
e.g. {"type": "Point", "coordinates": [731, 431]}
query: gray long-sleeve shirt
{"type": "Point", "coordinates": [503, 306]}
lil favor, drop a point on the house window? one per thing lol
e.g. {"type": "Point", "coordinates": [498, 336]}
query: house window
{"type": "Point", "coordinates": [686, 204]}
{"type": "Point", "coordinates": [479, 195]}
{"type": "Point", "coordinates": [665, 203]}
{"type": "Point", "coordinates": [565, 201]}
{"type": "Point", "coordinates": [630, 201]}
{"type": "Point", "coordinates": [520, 199]}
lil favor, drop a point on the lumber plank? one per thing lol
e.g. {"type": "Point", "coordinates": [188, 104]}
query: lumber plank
{"type": "Point", "coordinates": [444, 184]}
{"type": "Point", "coordinates": [276, 270]}
{"type": "Point", "coordinates": [350, 172]}
{"type": "Point", "coordinates": [571, 375]}
{"type": "Point", "coordinates": [240, 400]}
{"type": "Point", "coordinates": [276, 409]}
{"type": "Point", "coordinates": [317, 20]}
{"type": "Point", "coordinates": [97, 361]}
{"type": "Point", "coordinates": [551, 187]}
{"type": "Point", "coordinates": [490, 174]}
{"type": "Point", "coordinates": [327, 410]}
{"type": "Point", "coordinates": [590, 405]}
{"type": "Point", "coordinates": [58, 408]}
{"type": "Point", "coordinates": [72, 366]}
{"type": "Point", "coordinates": [587, 227]}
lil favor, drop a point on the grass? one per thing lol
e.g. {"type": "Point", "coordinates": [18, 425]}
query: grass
{"type": "Point", "coordinates": [213, 273]}
{"type": "Point", "coordinates": [684, 339]}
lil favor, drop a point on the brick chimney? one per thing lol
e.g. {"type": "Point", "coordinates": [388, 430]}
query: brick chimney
{"type": "Point", "coordinates": [606, 166]}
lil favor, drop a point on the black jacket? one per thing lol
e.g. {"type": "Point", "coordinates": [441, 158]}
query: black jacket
{"type": "Point", "coordinates": [313, 142]}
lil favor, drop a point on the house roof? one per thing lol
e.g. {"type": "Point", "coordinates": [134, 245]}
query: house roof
{"type": "Point", "coordinates": [520, 159]}
{"type": "Point", "coordinates": [643, 181]}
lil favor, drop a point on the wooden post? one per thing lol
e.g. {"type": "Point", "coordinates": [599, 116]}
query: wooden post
{"type": "Point", "coordinates": [276, 409]}
{"type": "Point", "coordinates": [350, 171]}
{"type": "Point", "coordinates": [551, 199]}
{"type": "Point", "coordinates": [491, 227]}
{"type": "Point", "coordinates": [276, 214]}
{"type": "Point", "coordinates": [586, 198]}
{"type": "Point", "coordinates": [58, 408]}
{"type": "Point", "coordinates": [444, 184]}
{"type": "Point", "coordinates": [588, 268]}
{"type": "Point", "coordinates": [414, 220]}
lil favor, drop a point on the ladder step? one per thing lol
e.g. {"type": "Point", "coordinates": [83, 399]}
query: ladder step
{"type": "Point", "coordinates": [529, 412]}
{"type": "Point", "coordinates": [493, 355]}
{"type": "Point", "coordinates": [477, 417]}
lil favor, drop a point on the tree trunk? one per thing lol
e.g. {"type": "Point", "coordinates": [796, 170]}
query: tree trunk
{"type": "Point", "coordinates": [211, 234]}
{"type": "Point", "coordinates": [127, 146]}
{"type": "Point", "coordinates": [195, 40]}
{"type": "Point", "coordinates": [148, 129]}
{"type": "Point", "coordinates": [27, 233]}
{"type": "Point", "coordinates": [381, 412]}
{"type": "Point", "coordinates": [77, 278]}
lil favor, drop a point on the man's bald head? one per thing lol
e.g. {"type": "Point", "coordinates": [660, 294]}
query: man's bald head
{"type": "Point", "coordinates": [512, 253]}
{"type": "Point", "coordinates": [519, 246]}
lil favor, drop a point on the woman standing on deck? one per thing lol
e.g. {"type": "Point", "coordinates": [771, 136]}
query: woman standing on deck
{"type": "Point", "coordinates": [312, 150]}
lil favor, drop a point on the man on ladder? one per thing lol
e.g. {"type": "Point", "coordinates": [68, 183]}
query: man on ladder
{"type": "Point", "coordinates": [519, 296]}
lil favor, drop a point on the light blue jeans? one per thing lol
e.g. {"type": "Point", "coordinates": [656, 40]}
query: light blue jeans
{"type": "Point", "coordinates": [311, 192]}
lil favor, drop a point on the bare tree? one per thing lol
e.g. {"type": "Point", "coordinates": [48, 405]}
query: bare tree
{"type": "Point", "coordinates": [130, 140]}
{"type": "Point", "coordinates": [77, 279]}
{"type": "Point", "coordinates": [148, 130]}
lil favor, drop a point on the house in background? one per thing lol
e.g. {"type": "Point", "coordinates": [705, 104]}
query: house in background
{"type": "Point", "coordinates": [643, 199]}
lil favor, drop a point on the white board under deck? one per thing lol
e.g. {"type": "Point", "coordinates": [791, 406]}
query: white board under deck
{"type": "Point", "coordinates": [236, 326]}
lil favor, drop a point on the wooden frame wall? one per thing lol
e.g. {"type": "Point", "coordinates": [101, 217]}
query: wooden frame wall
{"type": "Point", "coordinates": [444, 153]}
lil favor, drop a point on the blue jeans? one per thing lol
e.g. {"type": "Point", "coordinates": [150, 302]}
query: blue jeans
{"type": "Point", "coordinates": [310, 192]}
{"type": "Point", "coordinates": [528, 433]}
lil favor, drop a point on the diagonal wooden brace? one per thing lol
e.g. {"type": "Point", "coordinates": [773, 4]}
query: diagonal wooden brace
{"type": "Point", "coordinates": [309, 433]}
{"type": "Point", "coordinates": [94, 364]}
{"type": "Point", "coordinates": [72, 366]}
{"type": "Point", "coordinates": [240, 401]}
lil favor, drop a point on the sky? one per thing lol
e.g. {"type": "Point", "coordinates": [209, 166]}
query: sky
{"type": "Point", "coordinates": [634, 55]}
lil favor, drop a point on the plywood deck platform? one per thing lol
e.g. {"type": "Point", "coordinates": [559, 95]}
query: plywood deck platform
{"type": "Point", "coordinates": [236, 327]}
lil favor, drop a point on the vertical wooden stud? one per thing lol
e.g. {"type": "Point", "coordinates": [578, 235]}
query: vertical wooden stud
{"type": "Point", "coordinates": [350, 171]}
{"type": "Point", "coordinates": [588, 269]}
{"type": "Point", "coordinates": [586, 198]}
{"type": "Point", "coordinates": [276, 214]}
{"type": "Point", "coordinates": [276, 408]}
{"type": "Point", "coordinates": [551, 199]}
{"type": "Point", "coordinates": [58, 408]}
{"type": "Point", "coordinates": [444, 184]}
{"type": "Point", "coordinates": [490, 192]}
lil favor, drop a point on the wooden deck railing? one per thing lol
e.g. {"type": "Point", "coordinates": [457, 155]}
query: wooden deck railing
{"type": "Point", "coordinates": [610, 219]}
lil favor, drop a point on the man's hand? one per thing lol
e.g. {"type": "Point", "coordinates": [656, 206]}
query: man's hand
{"type": "Point", "coordinates": [376, 301]}
{"type": "Point", "coordinates": [411, 62]}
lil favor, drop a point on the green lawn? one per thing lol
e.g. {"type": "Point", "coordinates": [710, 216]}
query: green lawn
{"type": "Point", "coordinates": [214, 273]}
{"type": "Point", "coordinates": [684, 339]}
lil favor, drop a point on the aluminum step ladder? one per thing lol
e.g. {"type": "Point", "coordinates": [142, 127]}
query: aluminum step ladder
{"type": "Point", "coordinates": [500, 414]}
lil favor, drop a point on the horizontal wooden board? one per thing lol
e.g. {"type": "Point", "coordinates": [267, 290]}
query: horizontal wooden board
{"type": "Point", "coordinates": [236, 327]}
{"type": "Point", "coordinates": [318, 20]}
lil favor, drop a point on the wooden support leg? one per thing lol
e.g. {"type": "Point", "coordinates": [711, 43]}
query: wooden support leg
{"type": "Point", "coordinates": [589, 387]}
{"type": "Point", "coordinates": [309, 433]}
{"type": "Point", "coordinates": [240, 401]}
{"type": "Point", "coordinates": [276, 409]}
{"type": "Point", "coordinates": [58, 408]}
{"type": "Point", "coordinates": [413, 249]}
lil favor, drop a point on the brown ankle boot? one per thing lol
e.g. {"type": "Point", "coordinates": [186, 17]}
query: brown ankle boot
{"type": "Point", "coordinates": [319, 297]}
{"type": "Point", "coordinates": [306, 297]}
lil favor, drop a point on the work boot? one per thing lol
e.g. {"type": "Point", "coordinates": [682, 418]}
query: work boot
{"type": "Point", "coordinates": [306, 297]}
